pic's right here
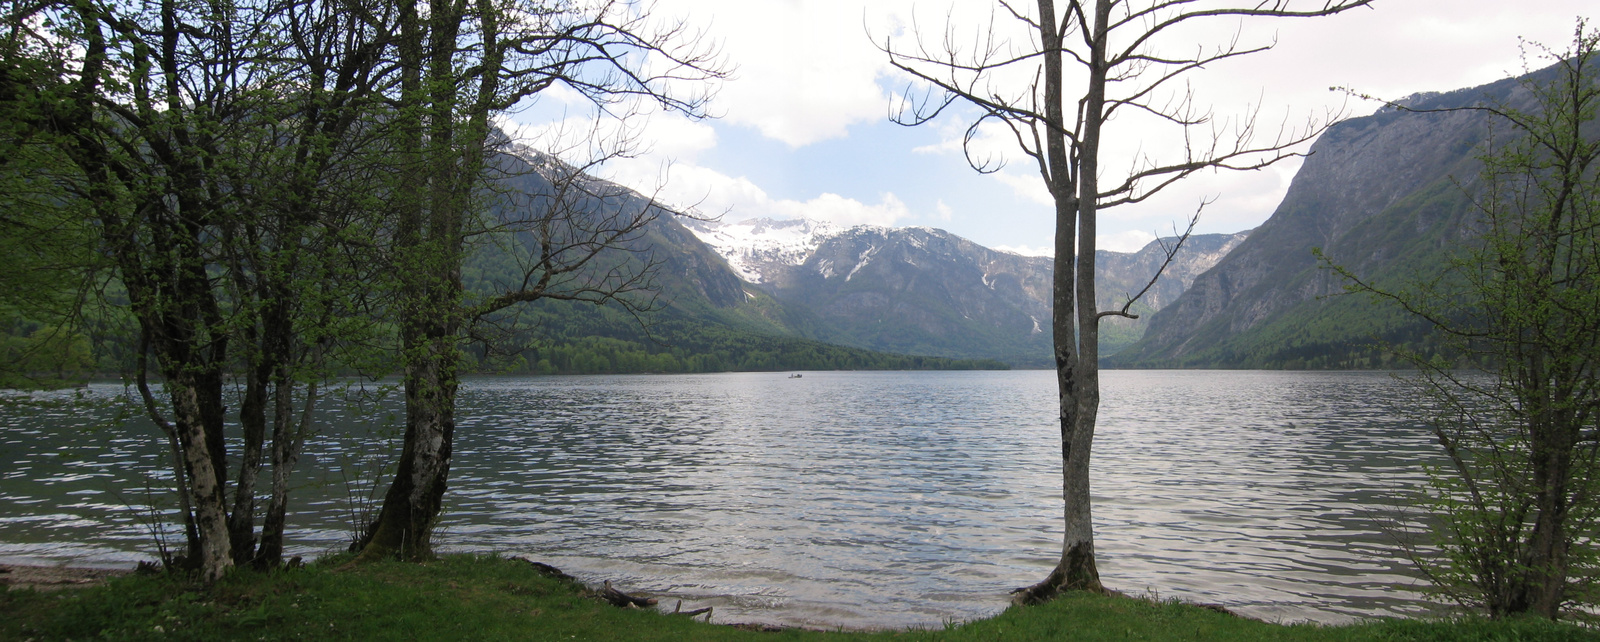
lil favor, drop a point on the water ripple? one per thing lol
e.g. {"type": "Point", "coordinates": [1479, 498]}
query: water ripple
{"type": "Point", "coordinates": [839, 499]}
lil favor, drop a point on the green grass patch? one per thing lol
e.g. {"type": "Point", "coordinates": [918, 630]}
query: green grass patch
{"type": "Point", "coordinates": [467, 597]}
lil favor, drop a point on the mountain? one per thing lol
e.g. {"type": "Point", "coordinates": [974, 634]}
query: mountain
{"type": "Point", "coordinates": [922, 290]}
{"type": "Point", "coordinates": [702, 316]}
{"type": "Point", "coordinates": [1121, 275]}
{"type": "Point", "coordinates": [1383, 195]}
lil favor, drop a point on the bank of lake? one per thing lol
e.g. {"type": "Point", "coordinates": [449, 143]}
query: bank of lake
{"type": "Point", "coordinates": [479, 597]}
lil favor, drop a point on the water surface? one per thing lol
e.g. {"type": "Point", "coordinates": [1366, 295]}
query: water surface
{"type": "Point", "coordinates": [883, 499]}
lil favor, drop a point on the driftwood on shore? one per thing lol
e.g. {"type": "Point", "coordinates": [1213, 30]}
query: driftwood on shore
{"type": "Point", "coordinates": [546, 569]}
{"type": "Point", "coordinates": [618, 598]}
{"type": "Point", "coordinates": [678, 610]}
{"type": "Point", "coordinates": [610, 593]}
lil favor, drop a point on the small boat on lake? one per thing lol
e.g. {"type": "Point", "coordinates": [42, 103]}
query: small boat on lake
{"type": "Point", "coordinates": [794, 376]}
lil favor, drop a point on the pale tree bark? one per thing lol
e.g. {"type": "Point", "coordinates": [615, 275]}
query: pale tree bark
{"type": "Point", "coordinates": [1097, 46]}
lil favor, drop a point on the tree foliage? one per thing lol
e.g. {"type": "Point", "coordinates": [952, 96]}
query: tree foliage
{"type": "Point", "coordinates": [210, 154]}
{"type": "Point", "coordinates": [1518, 414]}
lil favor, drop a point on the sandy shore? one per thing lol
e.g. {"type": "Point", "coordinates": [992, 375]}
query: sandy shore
{"type": "Point", "coordinates": [50, 578]}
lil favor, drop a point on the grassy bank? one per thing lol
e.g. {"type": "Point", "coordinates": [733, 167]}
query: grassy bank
{"type": "Point", "coordinates": [485, 598]}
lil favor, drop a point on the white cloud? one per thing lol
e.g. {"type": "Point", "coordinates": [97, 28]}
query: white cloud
{"type": "Point", "coordinates": [806, 70]}
{"type": "Point", "coordinates": [1028, 186]}
{"type": "Point", "coordinates": [708, 192]}
{"type": "Point", "coordinates": [581, 138]}
{"type": "Point", "coordinates": [1129, 241]}
{"type": "Point", "coordinates": [846, 211]}
{"type": "Point", "coordinates": [944, 213]}
{"type": "Point", "coordinates": [679, 138]}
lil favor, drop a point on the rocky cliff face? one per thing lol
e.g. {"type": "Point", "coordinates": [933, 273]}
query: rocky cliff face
{"type": "Point", "coordinates": [1381, 195]}
{"type": "Point", "coordinates": [1120, 275]}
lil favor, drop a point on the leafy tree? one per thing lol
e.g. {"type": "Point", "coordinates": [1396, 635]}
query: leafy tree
{"type": "Point", "coordinates": [459, 65]}
{"type": "Point", "coordinates": [206, 147]}
{"type": "Point", "coordinates": [1111, 51]}
{"type": "Point", "coordinates": [1517, 411]}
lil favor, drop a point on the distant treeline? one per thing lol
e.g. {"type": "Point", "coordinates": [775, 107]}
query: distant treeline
{"type": "Point", "coordinates": [705, 350]}
{"type": "Point", "coordinates": [43, 356]}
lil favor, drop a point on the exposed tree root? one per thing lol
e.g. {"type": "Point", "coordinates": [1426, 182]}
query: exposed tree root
{"type": "Point", "coordinates": [1054, 586]}
{"type": "Point", "coordinates": [678, 610]}
{"type": "Point", "coordinates": [618, 598]}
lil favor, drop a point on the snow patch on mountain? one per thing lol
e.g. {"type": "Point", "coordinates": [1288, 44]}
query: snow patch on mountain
{"type": "Point", "coordinates": [861, 262]}
{"type": "Point", "coordinates": [748, 245]}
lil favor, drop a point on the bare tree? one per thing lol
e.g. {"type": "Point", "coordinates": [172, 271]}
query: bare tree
{"type": "Point", "coordinates": [1120, 54]}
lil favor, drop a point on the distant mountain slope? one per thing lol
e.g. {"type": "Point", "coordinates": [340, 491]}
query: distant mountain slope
{"type": "Point", "coordinates": [1120, 275]}
{"type": "Point", "coordinates": [1380, 194]}
{"type": "Point", "coordinates": [926, 291]}
{"type": "Point", "coordinates": [703, 316]}
{"type": "Point", "coordinates": [914, 291]}
{"type": "Point", "coordinates": [920, 290]}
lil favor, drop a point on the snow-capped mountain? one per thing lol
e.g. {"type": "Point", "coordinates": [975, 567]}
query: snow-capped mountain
{"type": "Point", "coordinates": [922, 290]}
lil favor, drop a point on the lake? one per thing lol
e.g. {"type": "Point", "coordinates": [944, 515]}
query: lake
{"type": "Point", "coordinates": [854, 499]}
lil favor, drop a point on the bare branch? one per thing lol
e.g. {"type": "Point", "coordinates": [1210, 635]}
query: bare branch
{"type": "Point", "coordinates": [1168, 254]}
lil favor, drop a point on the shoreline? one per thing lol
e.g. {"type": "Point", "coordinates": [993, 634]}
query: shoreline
{"type": "Point", "coordinates": [491, 597]}
{"type": "Point", "coordinates": [54, 578]}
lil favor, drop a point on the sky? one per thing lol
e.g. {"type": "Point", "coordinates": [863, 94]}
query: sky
{"type": "Point", "coordinates": [802, 126]}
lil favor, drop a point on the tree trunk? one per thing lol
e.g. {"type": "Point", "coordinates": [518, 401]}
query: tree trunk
{"type": "Point", "coordinates": [253, 420]}
{"type": "Point", "coordinates": [1075, 319]}
{"type": "Point", "coordinates": [1545, 579]}
{"type": "Point", "coordinates": [1078, 550]}
{"type": "Point", "coordinates": [180, 474]}
{"type": "Point", "coordinates": [210, 507]}
{"type": "Point", "coordinates": [287, 439]}
{"type": "Point", "coordinates": [404, 527]}
{"type": "Point", "coordinates": [434, 204]}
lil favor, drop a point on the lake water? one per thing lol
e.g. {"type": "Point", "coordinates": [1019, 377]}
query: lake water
{"type": "Point", "coordinates": [854, 499]}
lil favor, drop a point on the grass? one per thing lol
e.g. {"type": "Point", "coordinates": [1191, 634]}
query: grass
{"type": "Point", "coordinates": [467, 597]}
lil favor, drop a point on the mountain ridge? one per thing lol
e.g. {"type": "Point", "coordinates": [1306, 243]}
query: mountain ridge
{"type": "Point", "coordinates": [1385, 196]}
{"type": "Point", "coordinates": [945, 295]}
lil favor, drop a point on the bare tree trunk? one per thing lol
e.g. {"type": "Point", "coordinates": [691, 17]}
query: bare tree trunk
{"type": "Point", "coordinates": [1063, 137]}
{"type": "Point", "coordinates": [1074, 323]}
{"type": "Point", "coordinates": [1078, 548]}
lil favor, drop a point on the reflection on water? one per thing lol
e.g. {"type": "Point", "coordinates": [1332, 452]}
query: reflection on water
{"type": "Point", "coordinates": [840, 499]}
